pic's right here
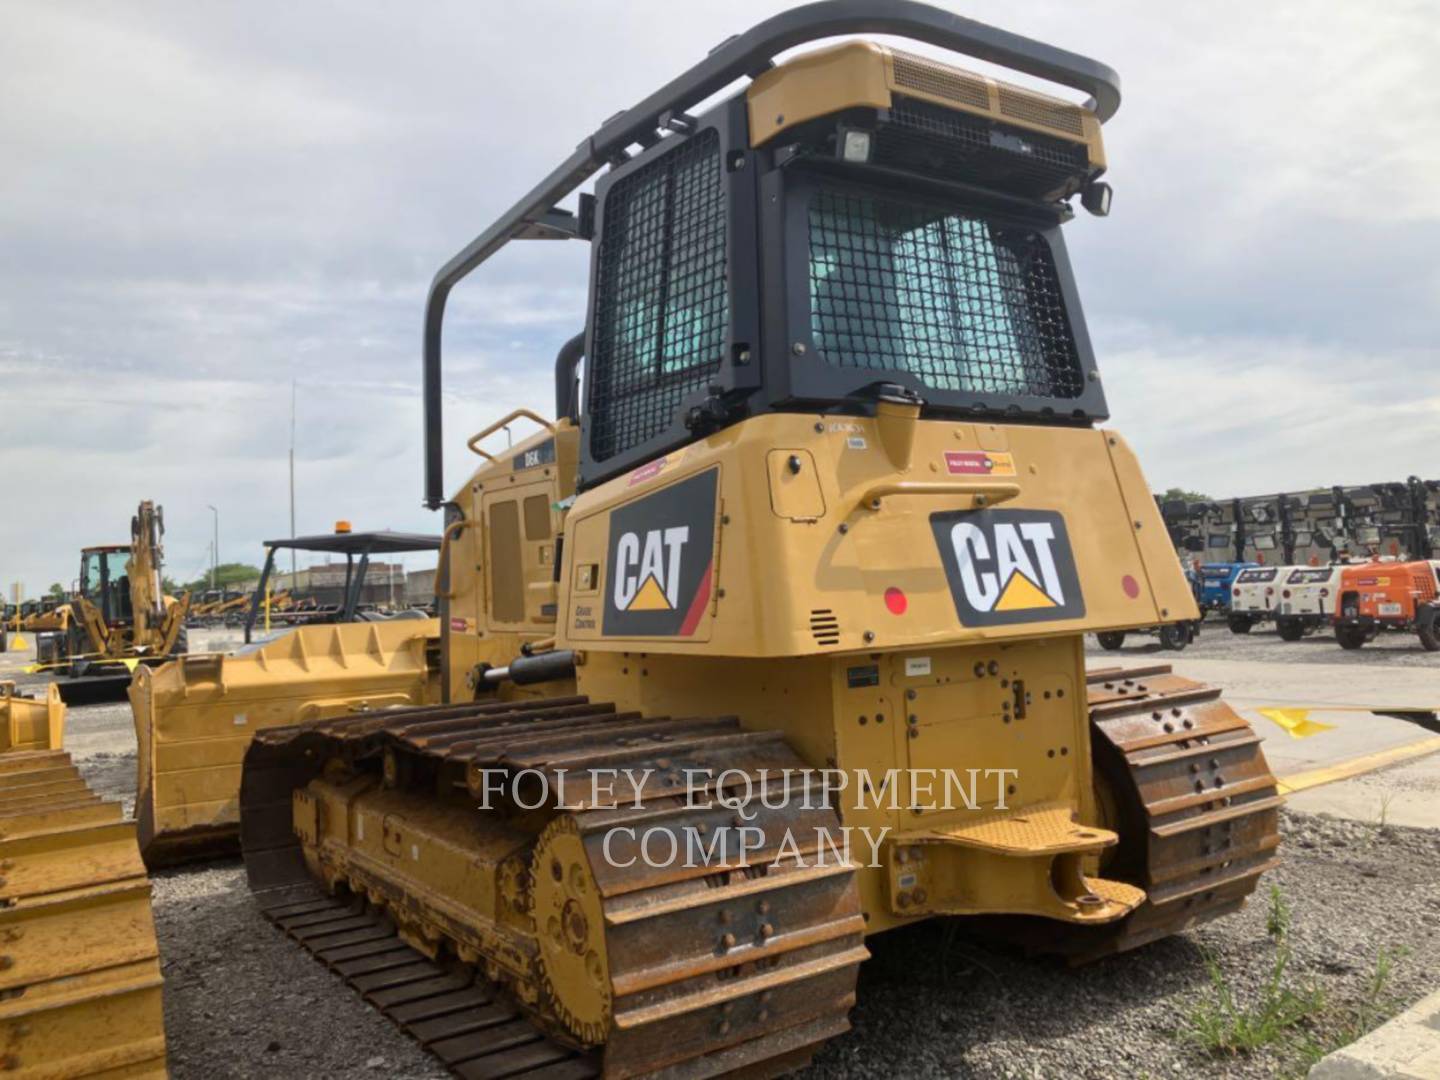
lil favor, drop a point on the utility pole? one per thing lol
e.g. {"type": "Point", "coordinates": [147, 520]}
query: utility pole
{"type": "Point", "coordinates": [294, 576]}
{"type": "Point", "coordinates": [214, 547]}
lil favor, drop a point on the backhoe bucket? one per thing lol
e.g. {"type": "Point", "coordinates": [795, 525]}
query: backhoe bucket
{"type": "Point", "coordinates": [30, 723]}
{"type": "Point", "coordinates": [195, 716]}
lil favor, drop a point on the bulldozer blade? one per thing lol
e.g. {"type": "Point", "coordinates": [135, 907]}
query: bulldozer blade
{"type": "Point", "coordinates": [195, 716]}
{"type": "Point", "coordinates": [80, 983]}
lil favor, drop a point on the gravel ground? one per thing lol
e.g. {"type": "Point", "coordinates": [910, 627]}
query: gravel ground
{"type": "Point", "coordinates": [935, 1000]}
{"type": "Point", "coordinates": [1216, 642]}
{"type": "Point", "coordinates": [937, 1003]}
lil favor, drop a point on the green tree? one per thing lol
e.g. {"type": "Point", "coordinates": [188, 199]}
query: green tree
{"type": "Point", "coordinates": [226, 575]}
{"type": "Point", "coordinates": [56, 590]}
{"type": "Point", "coordinates": [1175, 494]}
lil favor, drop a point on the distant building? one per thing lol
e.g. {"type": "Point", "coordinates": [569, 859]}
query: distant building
{"type": "Point", "coordinates": [420, 587]}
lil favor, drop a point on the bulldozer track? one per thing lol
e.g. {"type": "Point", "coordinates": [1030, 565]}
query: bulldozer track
{"type": "Point", "coordinates": [80, 984]}
{"type": "Point", "coordinates": [741, 965]}
{"type": "Point", "coordinates": [1198, 807]}
{"type": "Point", "coordinates": [455, 1014]}
{"type": "Point", "coordinates": [1185, 774]}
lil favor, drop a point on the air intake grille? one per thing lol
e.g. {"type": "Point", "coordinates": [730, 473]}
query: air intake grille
{"type": "Point", "coordinates": [936, 141]}
{"type": "Point", "coordinates": [1051, 114]}
{"type": "Point", "coordinates": [958, 302]}
{"type": "Point", "coordinates": [661, 308]}
{"type": "Point", "coordinates": [917, 73]}
{"type": "Point", "coordinates": [824, 627]}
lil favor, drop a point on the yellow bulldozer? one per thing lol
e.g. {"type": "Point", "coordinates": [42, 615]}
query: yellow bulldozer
{"type": "Point", "coordinates": [119, 616]}
{"type": "Point", "coordinates": [772, 640]}
{"type": "Point", "coordinates": [194, 716]}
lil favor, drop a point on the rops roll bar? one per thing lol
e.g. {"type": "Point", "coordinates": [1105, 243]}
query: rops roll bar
{"type": "Point", "coordinates": [536, 216]}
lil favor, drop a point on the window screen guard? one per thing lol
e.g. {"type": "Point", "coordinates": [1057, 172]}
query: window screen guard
{"type": "Point", "coordinates": [661, 308]}
{"type": "Point", "coordinates": [961, 303]}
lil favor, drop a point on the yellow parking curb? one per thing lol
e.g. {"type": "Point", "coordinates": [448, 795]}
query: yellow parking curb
{"type": "Point", "coordinates": [1343, 770]}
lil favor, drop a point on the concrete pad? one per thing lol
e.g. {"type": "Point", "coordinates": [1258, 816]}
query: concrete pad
{"type": "Point", "coordinates": [1331, 690]}
{"type": "Point", "coordinates": [1404, 795]}
{"type": "Point", "coordinates": [1405, 1048]}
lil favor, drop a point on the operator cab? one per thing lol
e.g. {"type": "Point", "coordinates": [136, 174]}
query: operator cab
{"type": "Point", "coordinates": [105, 582]}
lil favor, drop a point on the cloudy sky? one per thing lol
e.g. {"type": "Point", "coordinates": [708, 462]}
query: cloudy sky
{"type": "Point", "coordinates": [200, 203]}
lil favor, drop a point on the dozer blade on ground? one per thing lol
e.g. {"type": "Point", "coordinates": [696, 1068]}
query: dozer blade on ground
{"type": "Point", "coordinates": [80, 984]}
{"type": "Point", "coordinates": [195, 716]}
{"type": "Point", "coordinates": [562, 955]}
{"type": "Point", "coordinates": [372, 912]}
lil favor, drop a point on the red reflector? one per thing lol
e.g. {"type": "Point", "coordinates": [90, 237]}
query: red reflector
{"type": "Point", "coordinates": [1324, 592]}
{"type": "Point", "coordinates": [1286, 594]}
{"type": "Point", "coordinates": [895, 600]}
{"type": "Point", "coordinates": [1131, 586]}
{"type": "Point", "coordinates": [1237, 592]}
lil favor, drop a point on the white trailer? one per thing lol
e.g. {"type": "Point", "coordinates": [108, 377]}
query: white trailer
{"type": "Point", "coordinates": [1308, 595]}
{"type": "Point", "coordinates": [1255, 597]}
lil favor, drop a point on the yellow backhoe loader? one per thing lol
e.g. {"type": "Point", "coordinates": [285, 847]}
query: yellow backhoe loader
{"type": "Point", "coordinates": [80, 985]}
{"type": "Point", "coordinates": [195, 716]}
{"type": "Point", "coordinates": [119, 618]}
{"type": "Point", "coordinates": [775, 642]}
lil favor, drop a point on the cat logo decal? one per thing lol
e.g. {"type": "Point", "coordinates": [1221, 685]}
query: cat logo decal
{"type": "Point", "coordinates": [661, 560]}
{"type": "Point", "coordinates": [1008, 566]}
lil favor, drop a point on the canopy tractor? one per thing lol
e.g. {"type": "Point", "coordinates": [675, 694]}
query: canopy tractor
{"type": "Point", "coordinates": [830, 523]}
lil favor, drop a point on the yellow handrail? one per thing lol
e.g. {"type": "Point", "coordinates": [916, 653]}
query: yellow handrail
{"type": "Point", "coordinates": [986, 493]}
{"type": "Point", "coordinates": [514, 414]}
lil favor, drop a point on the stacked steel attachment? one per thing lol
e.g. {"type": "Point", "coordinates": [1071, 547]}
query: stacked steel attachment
{"type": "Point", "coordinates": [80, 984]}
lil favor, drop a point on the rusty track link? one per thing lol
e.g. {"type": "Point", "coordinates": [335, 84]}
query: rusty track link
{"type": "Point", "coordinates": [745, 965]}
{"type": "Point", "coordinates": [1196, 803]}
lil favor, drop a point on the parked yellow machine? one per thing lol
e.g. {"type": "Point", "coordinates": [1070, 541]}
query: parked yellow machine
{"type": "Point", "coordinates": [80, 984]}
{"type": "Point", "coordinates": [119, 617]}
{"type": "Point", "coordinates": [194, 716]}
{"type": "Point", "coordinates": [811, 567]}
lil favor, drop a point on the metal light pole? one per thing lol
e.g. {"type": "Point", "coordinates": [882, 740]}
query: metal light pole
{"type": "Point", "coordinates": [294, 576]}
{"type": "Point", "coordinates": [215, 547]}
